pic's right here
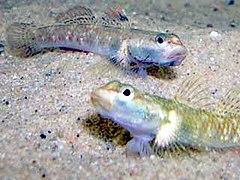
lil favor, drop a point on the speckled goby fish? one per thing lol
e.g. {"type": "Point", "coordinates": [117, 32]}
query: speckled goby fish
{"type": "Point", "coordinates": [157, 123]}
{"type": "Point", "coordinates": [111, 36]}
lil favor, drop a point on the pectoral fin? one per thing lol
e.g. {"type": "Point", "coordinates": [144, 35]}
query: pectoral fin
{"type": "Point", "coordinates": [138, 147]}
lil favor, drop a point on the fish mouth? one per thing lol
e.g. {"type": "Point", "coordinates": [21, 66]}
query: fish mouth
{"type": "Point", "coordinates": [176, 56]}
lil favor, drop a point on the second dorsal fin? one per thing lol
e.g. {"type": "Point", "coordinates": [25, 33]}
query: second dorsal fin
{"type": "Point", "coordinates": [114, 16]}
{"type": "Point", "coordinates": [194, 93]}
{"type": "Point", "coordinates": [78, 14]}
{"type": "Point", "coordinates": [230, 103]}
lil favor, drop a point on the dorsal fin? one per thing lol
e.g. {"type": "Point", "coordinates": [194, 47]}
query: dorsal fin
{"type": "Point", "coordinates": [78, 14]}
{"type": "Point", "coordinates": [193, 92]}
{"type": "Point", "coordinates": [230, 103]}
{"type": "Point", "coordinates": [114, 16]}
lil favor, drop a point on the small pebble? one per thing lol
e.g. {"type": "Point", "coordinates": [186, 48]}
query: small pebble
{"type": "Point", "coordinates": [233, 24]}
{"type": "Point", "coordinates": [211, 58]}
{"type": "Point", "coordinates": [43, 136]}
{"type": "Point", "coordinates": [215, 9]}
{"type": "Point", "coordinates": [210, 25]}
{"type": "Point", "coordinates": [187, 4]}
{"type": "Point", "coordinates": [214, 35]}
{"type": "Point", "coordinates": [1, 48]}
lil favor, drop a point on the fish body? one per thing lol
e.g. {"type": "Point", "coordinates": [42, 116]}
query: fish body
{"type": "Point", "coordinates": [129, 48]}
{"type": "Point", "coordinates": [166, 121]}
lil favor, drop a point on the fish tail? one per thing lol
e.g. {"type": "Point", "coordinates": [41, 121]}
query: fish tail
{"type": "Point", "coordinates": [21, 40]}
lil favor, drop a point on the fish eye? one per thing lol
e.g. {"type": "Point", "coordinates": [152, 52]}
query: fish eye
{"type": "Point", "coordinates": [159, 38]}
{"type": "Point", "coordinates": [126, 94]}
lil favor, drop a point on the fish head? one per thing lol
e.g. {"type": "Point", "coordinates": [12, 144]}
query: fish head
{"type": "Point", "coordinates": [159, 49]}
{"type": "Point", "coordinates": [125, 105]}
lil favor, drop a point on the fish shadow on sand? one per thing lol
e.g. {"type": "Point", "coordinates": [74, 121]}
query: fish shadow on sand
{"type": "Point", "coordinates": [166, 73]}
{"type": "Point", "coordinates": [110, 132]}
{"type": "Point", "coordinates": [105, 129]}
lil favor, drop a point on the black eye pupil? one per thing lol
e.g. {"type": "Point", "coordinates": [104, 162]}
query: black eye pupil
{"type": "Point", "coordinates": [127, 92]}
{"type": "Point", "coordinates": [160, 40]}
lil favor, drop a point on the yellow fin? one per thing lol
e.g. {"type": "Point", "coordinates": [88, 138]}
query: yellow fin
{"type": "Point", "coordinates": [231, 102]}
{"type": "Point", "coordinates": [193, 92]}
{"type": "Point", "coordinates": [174, 149]}
{"type": "Point", "coordinates": [78, 14]}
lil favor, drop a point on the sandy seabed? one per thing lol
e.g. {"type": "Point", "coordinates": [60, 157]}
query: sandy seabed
{"type": "Point", "coordinates": [45, 99]}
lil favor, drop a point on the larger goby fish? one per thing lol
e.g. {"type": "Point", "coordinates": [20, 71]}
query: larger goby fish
{"type": "Point", "coordinates": [157, 123]}
{"type": "Point", "coordinates": [111, 35]}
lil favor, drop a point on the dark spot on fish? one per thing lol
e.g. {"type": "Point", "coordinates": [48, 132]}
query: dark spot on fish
{"type": "Point", "coordinates": [123, 18]}
{"type": "Point", "coordinates": [1, 45]}
{"type": "Point", "coordinates": [171, 63]}
{"type": "Point", "coordinates": [133, 64]}
{"type": "Point", "coordinates": [78, 39]}
{"type": "Point", "coordinates": [70, 38]}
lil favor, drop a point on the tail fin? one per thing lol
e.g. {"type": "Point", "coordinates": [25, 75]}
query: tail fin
{"type": "Point", "coordinates": [21, 40]}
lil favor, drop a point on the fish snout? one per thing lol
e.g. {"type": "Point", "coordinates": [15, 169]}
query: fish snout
{"type": "Point", "coordinates": [177, 55]}
{"type": "Point", "coordinates": [94, 98]}
{"type": "Point", "coordinates": [176, 41]}
{"type": "Point", "coordinates": [102, 98]}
